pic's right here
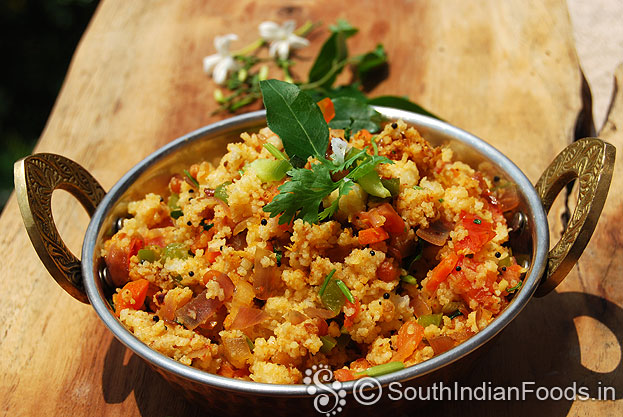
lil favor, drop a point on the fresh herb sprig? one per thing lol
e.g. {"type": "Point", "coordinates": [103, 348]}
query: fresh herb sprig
{"type": "Point", "coordinates": [353, 108]}
{"type": "Point", "coordinates": [298, 121]}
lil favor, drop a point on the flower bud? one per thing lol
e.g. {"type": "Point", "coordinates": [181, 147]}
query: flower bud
{"type": "Point", "coordinates": [263, 74]}
{"type": "Point", "coordinates": [218, 96]}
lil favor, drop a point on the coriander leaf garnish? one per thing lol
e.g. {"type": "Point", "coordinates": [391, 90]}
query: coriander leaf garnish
{"type": "Point", "coordinates": [296, 119]}
{"type": "Point", "coordinates": [301, 196]}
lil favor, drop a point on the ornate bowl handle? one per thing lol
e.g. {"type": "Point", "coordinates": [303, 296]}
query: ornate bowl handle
{"type": "Point", "coordinates": [591, 162]}
{"type": "Point", "coordinates": [36, 177]}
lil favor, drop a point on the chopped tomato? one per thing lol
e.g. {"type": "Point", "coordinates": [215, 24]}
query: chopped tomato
{"type": "Point", "coordinates": [512, 274]}
{"type": "Point", "coordinates": [138, 291]}
{"type": "Point", "coordinates": [349, 319]}
{"type": "Point", "coordinates": [344, 375]}
{"type": "Point", "coordinates": [479, 232]}
{"type": "Point", "coordinates": [393, 222]}
{"type": "Point", "coordinates": [409, 337]}
{"type": "Point", "coordinates": [484, 295]}
{"type": "Point", "coordinates": [155, 238]}
{"type": "Point", "coordinates": [388, 270]}
{"type": "Point", "coordinates": [136, 244]}
{"type": "Point", "coordinates": [372, 235]}
{"type": "Point", "coordinates": [441, 271]}
{"type": "Point", "coordinates": [385, 216]}
{"type": "Point", "coordinates": [327, 109]}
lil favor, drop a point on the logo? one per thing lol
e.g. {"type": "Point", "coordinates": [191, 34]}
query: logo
{"type": "Point", "coordinates": [330, 397]}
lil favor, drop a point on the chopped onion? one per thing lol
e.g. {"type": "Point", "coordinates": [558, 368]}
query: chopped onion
{"type": "Point", "coordinates": [420, 308]}
{"type": "Point", "coordinates": [198, 310]}
{"type": "Point", "coordinates": [223, 280]}
{"type": "Point", "coordinates": [266, 280]}
{"type": "Point", "coordinates": [247, 317]}
{"type": "Point", "coordinates": [437, 233]}
{"type": "Point", "coordinates": [117, 264]}
{"type": "Point", "coordinates": [441, 344]}
{"type": "Point", "coordinates": [295, 317]}
{"type": "Point", "coordinates": [241, 226]}
{"type": "Point", "coordinates": [507, 197]}
{"type": "Point", "coordinates": [213, 201]}
{"type": "Point", "coordinates": [236, 350]}
{"type": "Point", "coordinates": [322, 313]}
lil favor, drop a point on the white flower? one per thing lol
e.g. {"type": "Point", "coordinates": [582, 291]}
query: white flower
{"type": "Point", "coordinates": [340, 148]}
{"type": "Point", "coordinates": [221, 63]}
{"type": "Point", "coordinates": [281, 38]}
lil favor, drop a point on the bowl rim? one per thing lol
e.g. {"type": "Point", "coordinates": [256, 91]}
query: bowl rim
{"type": "Point", "coordinates": [531, 281]}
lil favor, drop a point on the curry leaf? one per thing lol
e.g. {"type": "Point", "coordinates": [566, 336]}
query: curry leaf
{"type": "Point", "coordinates": [401, 103]}
{"type": "Point", "coordinates": [354, 115]}
{"type": "Point", "coordinates": [296, 119]}
{"type": "Point", "coordinates": [333, 55]}
{"type": "Point", "coordinates": [350, 90]}
{"type": "Point", "coordinates": [343, 26]}
{"type": "Point", "coordinates": [371, 61]}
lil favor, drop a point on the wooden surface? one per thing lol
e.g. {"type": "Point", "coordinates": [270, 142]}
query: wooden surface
{"type": "Point", "coordinates": [505, 71]}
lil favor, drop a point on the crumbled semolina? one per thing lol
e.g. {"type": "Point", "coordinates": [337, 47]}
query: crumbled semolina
{"type": "Point", "coordinates": [233, 292]}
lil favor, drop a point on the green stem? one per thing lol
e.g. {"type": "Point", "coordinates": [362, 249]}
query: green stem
{"type": "Point", "coordinates": [305, 28]}
{"type": "Point", "coordinates": [327, 76]}
{"type": "Point", "coordinates": [250, 48]}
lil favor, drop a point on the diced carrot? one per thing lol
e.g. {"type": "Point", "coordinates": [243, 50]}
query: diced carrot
{"type": "Point", "coordinates": [344, 375]}
{"type": "Point", "coordinates": [327, 109]}
{"type": "Point", "coordinates": [138, 290]}
{"type": "Point", "coordinates": [372, 235]}
{"type": "Point", "coordinates": [409, 337]}
{"type": "Point", "coordinates": [441, 271]}
{"type": "Point", "coordinates": [175, 183]}
{"type": "Point", "coordinates": [364, 134]}
{"type": "Point", "coordinates": [349, 319]}
{"type": "Point", "coordinates": [211, 256]}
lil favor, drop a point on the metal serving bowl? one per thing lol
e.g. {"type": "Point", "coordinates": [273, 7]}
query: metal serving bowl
{"type": "Point", "coordinates": [589, 160]}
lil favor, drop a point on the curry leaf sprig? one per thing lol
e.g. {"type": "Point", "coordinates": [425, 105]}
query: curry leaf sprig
{"type": "Point", "coordinates": [294, 116]}
{"type": "Point", "coordinates": [245, 69]}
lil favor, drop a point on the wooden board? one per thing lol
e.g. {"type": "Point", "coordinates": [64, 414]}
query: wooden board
{"type": "Point", "coordinates": [506, 71]}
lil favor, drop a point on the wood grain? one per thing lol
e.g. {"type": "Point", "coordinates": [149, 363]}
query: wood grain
{"type": "Point", "coordinates": [506, 71]}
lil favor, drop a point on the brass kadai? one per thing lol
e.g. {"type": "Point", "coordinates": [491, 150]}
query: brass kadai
{"type": "Point", "coordinates": [590, 161]}
{"type": "Point", "coordinates": [36, 178]}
